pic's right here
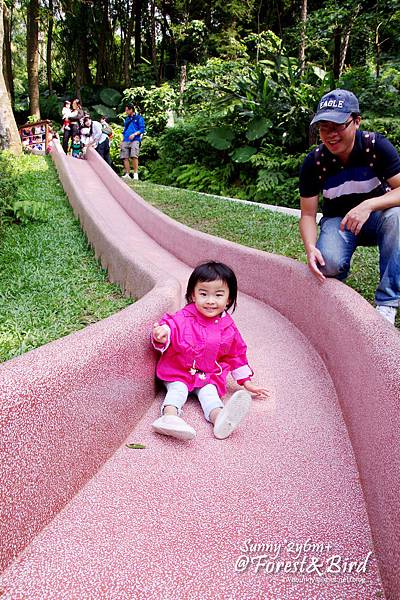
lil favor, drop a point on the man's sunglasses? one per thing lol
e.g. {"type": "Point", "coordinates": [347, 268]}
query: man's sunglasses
{"type": "Point", "coordinates": [333, 127]}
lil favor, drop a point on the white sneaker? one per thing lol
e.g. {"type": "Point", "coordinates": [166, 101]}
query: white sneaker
{"type": "Point", "coordinates": [232, 414]}
{"type": "Point", "coordinates": [126, 176]}
{"type": "Point", "coordinates": [388, 312]}
{"type": "Point", "coordinates": [136, 176]}
{"type": "Point", "coordinates": [175, 427]}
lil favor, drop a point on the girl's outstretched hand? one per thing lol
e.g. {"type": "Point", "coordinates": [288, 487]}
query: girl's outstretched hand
{"type": "Point", "coordinates": [258, 391]}
{"type": "Point", "coordinates": [160, 333]}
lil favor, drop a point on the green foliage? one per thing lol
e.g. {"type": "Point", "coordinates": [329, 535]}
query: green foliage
{"type": "Point", "coordinates": [101, 109]}
{"type": "Point", "coordinates": [243, 154]}
{"type": "Point", "coordinates": [19, 200]}
{"type": "Point", "coordinates": [277, 176]}
{"type": "Point", "coordinates": [50, 107]}
{"type": "Point", "coordinates": [389, 127]}
{"type": "Point", "coordinates": [262, 45]}
{"type": "Point", "coordinates": [110, 97]}
{"type": "Point", "coordinates": [115, 143]}
{"type": "Point", "coordinates": [198, 177]}
{"type": "Point", "coordinates": [149, 149]}
{"type": "Point", "coordinates": [220, 137]}
{"type": "Point", "coordinates": [377, 96]}
{"type": "Point", "coordinates": [190, 39]}
{"type": "Point", "coordinates": [185, 142]}
{"type": "Point", "coordinates": [257, 128]}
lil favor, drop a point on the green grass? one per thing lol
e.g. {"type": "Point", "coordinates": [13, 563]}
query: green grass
{"type": "Point", "coordinates": [252, 226]}
{"type": "Point", "coordinates": [50, 282]}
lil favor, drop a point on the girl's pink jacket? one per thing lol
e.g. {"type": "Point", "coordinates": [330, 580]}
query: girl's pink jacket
{"type": "Point", "coordinates": [200, 350]}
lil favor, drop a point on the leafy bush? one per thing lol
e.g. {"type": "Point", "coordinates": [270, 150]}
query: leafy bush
{"type": "Point", "coordinates": [199, 178]}
{"type": "Point", "coordinates": [377, 96]}
{"type": "Point", "coordinates": [277, 176]}
{"type": "Point", "coordinates": [20, 199]}
{"type": "Point", "coordinates": [389, 127]}
{"type": "Point", "coordinates": [115, 143]}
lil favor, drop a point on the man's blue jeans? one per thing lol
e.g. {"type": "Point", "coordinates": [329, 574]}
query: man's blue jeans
{"type": "Point", "coordinates": [381, 229]}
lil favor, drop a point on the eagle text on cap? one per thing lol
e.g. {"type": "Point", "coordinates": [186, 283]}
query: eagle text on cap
{"type": "Point", "coordinates": [331, 104]}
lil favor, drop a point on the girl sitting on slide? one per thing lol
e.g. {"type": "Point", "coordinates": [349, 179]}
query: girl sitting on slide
{"type": "Point", "coordinates": [200, 345]}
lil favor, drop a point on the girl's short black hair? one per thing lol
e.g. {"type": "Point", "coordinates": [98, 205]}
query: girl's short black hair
{"type": "Point", "coordinates": [213, 271]}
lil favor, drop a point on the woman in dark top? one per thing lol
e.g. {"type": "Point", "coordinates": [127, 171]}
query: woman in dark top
{"type": "Point", "coordinates": [74, 119]}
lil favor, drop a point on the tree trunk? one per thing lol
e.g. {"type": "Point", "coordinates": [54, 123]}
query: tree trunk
{"type": "Point", "coordinates": [83, 74]}
{"type": "Point", "coordinates": [138, 32]}
{"type": "Point", "coordinates": [7, 61]}
{"type": "Point", "coordinates": [182, 86]}
{"type": "Point", "coordinates": [49, 48]}
{"type": "Point", "coordinates": [377, 52]}
{"type": "Point", "coordinates": [343, 50]}
{"type": "Point", "coordinates": [103, 71]}
{"type": "Point", "coordinates": [32, 47]}
{"type": "Point", "coordinates": [346, 38]}
{"type": "Point", "coordinates": [336, 52]}
{"type": "Point", "coordinates": [9, 137]}
{"type": "Point", "coordinates": [153, 39]}
{"type": "Point", "coordinates": [302, 49]}
{"type": "Point", "coordinates": [127, 47]}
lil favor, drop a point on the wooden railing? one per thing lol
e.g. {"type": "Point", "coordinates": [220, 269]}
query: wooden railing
{"type": "Point", "coordinates": [36, 136]}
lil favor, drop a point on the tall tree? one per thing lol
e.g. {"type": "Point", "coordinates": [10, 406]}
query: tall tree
{"type": "Point", "coordinates": [127, 44]}
{"type": "Point", "coordinates": [49, 47]}
{"type": "Point", "coordinates": [153, 39]}
{"type": "Point", "coordinates": [138, 31]}
{"type": "Point", "coordinates": [302, 49]}
{"type": "Point", "coordinates": [83, 74]}
{"type": "Point", "coordinates": [32, 47]}
{"type": "Point", "coordinates": [103, 74]}
{"type": "Point", "coordinates": [9, 137]}
{"type": "Point", "coordinates": [7, 65]}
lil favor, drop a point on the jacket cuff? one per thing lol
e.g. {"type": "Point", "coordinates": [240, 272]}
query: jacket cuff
{"type": "Point", "coordinates": [242, 381]}
{"type": "Point", "coordinates": [242, 373]}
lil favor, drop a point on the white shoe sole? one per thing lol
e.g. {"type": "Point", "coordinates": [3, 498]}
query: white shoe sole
{"type": "Point", "coordinates": [180, 431]}
{"type": "Point", "coordinates": [232, 414]}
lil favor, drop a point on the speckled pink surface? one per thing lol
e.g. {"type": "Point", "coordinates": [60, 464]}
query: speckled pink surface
{"type": "Point", "coordinates": [179, 520]}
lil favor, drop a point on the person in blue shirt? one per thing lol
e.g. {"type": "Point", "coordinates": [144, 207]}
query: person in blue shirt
{"type": "Point", "coordinates": [132, 136]}
{"type": "Point", "coordinates": [357, 173]}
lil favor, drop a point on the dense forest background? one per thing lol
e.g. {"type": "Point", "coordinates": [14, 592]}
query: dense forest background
{"type": "Point", "coordinates": [227, 87]}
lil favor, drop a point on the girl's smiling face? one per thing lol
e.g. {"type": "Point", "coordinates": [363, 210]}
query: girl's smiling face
{"type": "Point", "coordinates": [211, 297]}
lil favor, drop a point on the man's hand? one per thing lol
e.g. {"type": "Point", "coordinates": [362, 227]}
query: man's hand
{"type": "Point", "coordinates": [133, 135]}
{"type": "Point", "coordinates": [259, 392]}
{"type": "Point", "coordinates": [160, 333]}
{"type": "Point", "coordinates": [314, 259]}
{"type": "Point", "coordinates": [355, 218]}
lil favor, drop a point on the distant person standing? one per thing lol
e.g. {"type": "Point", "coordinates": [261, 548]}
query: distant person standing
{"type": "Point", "coordinates": [132, 136]}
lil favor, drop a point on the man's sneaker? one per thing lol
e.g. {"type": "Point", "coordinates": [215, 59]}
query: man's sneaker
{"type": "Point", "coordinates": [126, 176]}
{"type": "Point", "coordinates": [232, 414]}
{"type": "Point", "coordinates": [388, 312]}
{"type": "Point", "coordinates": [175, 427]}
{"type": "Point", "coordinates": [136, 176]}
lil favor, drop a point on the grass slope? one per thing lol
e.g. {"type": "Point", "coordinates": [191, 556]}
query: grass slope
{"type": "Point", "coordinates": [50, 282]}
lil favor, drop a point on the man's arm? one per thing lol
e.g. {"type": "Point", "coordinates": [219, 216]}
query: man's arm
{"type": "Point", "coordinates": [357, 216]}
{"type": "Point", "coordinates": [308, 230]}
